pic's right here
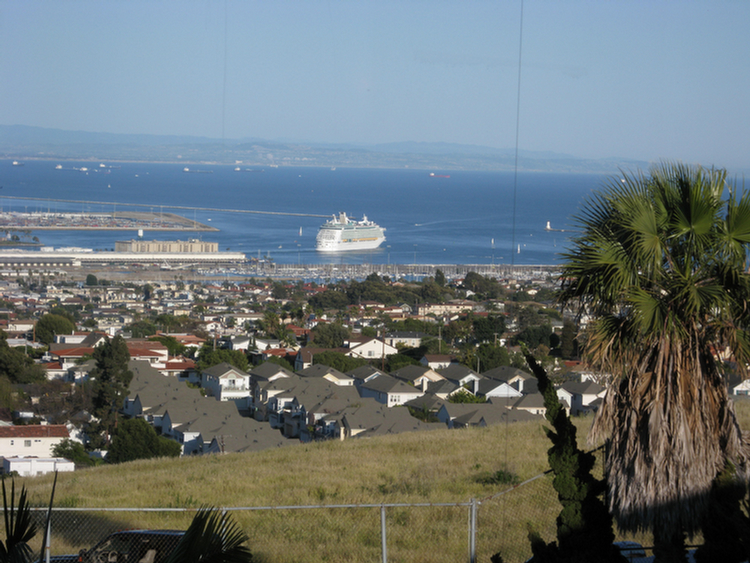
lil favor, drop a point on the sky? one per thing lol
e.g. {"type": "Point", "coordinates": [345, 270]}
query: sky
{"type": "Point", "coordinates": [649, 80]}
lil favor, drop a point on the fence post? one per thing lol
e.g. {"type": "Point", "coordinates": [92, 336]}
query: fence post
{"type": "Point", "coordinates": [384, 549]}
{"type": "Point", "coordinates": [49, 545]}
{"type": "Point", "coordinates": [473, 531]}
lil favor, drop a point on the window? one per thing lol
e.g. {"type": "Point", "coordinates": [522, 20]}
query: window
{"type": "Point", "coordinates": [27, 443]}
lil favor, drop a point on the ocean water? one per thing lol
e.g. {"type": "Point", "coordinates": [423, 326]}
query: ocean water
{"type": "Point", "coordinates": [466, 218]}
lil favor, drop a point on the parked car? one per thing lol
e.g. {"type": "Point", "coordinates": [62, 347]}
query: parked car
{"type": "Point", "coordinates": [129, 546]}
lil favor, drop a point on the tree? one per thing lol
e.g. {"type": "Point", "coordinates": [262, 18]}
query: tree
{"type": "Point", "coordinates": [136, 439]}
{"type": "Point", "coordinates": [91, 280]}
{"type": "Point", "coordinates": [208, 357]}
{"type": "Point", "coordinates": [584, 527]}
{"type": "Point", "coordinates": [487, 329]}
{"type": "Point", "coordinates": [50, 325]}
{"type": "Point", "coordinates": [568, 342]}
{"type": "Point", "coordinates": [661, 263]}
{"type": "Point", "coordinates": [339, 361]}
{"type": "Point", "coordinates": [141, 329]}
{"type": "Point", "coordinates": [75, 452]}
{"type": "Point", "coordinates": [111, 378]}
{"type": "Point", "coordinates": [491, 356]}
{"type": "Point", "coordinates": [440, 277]}
{"type": "Point", "coordinates": [329, 335]}
{"type": "Point", "coordinates": [17, 366]}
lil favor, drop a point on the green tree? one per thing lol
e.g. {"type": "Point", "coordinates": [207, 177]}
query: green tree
{"type": "Point", "coordinates": [584, 527]}
{"type": "Point", "coordinates": [174, 348]}
{"type": "Point", "coordinates": [141, 329]}
{"type": "Point", "coordinates": [91, 280]}
{"type": "Point", "coordinates": [661, 262]}
{"type": "Point", "coordinates": [330, 335]}
{"type": "Point", "coordinates": [17, 366]}
{"type": "Point", "coordinates": [111, 378]}
{"type": "Point", "coordinates": [75, 452]}
{"type": "Point", "coordinates": [339, 361]}
{"type": "Point", "coordinates": [281, 362]}
{"type": "Point", "coordinates": [491, 356]}
{"type": "Point", "coordinates": [50, 325]}
{"type": "Point", "coordinates": [463, 396]}
{"type": "Point", "coordinates": [136, 439]}
{"type": "Point", "coordinates": [439, 277]}
{"type": "Point", "coordinates": [208, 357]}
{"type": "Point", "coordinates": [568, 342]}
{"type": "Point", "coordinates": [489, 328]}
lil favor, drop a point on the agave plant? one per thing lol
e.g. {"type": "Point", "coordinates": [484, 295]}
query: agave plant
{"type": "Point", "coordinates": [20, 529]}
{"type": "Point", "coordinates": [212, 538]}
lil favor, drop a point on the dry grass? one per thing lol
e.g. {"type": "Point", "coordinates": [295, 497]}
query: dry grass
{"type": "Point", "coordinates": [433, 467]}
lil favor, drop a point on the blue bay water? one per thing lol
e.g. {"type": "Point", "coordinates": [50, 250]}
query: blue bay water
{"type": "Point", "coordinates": [428, 220]}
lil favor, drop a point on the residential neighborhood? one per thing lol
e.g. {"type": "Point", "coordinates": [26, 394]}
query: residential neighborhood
{"type": "Point", "coordinates": [244, 366]}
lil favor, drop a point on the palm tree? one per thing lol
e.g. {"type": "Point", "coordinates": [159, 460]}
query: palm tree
{"type": "Point", "coordinates": [661, 264]}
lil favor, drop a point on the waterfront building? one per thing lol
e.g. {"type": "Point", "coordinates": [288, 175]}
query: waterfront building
{"type": "Point", "coordinates": [172, 246]}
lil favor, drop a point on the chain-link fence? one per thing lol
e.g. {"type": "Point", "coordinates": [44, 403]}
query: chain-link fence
{"type": "Point", "coordinates": [410, 533]}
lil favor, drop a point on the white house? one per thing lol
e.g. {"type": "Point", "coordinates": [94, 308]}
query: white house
{"type": "Point", "coordinates": [32, 440]}
{"type": "Point", "coordinates": [226, 382]}
{"type": "Point", "coordinates": [742, 388]}
{"type": "Point", "coordinates": [389, 391]}
{"type": "Point", "coordinates": [370, 349]}
{"type": "Point", "coordinates": [582, 397]}
{"type": "Point", "coordinates": [32, 466]}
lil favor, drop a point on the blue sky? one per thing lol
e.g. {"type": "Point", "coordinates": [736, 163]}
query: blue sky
{"type": "Point", "coordinates": [631, 79]}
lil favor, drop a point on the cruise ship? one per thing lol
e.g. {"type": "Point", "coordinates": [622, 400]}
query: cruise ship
{"type": "Point", "coordinates": [345, 233]}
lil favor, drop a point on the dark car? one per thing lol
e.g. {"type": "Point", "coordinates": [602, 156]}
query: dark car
{"type": "Point", "coordinates": [129, 546]}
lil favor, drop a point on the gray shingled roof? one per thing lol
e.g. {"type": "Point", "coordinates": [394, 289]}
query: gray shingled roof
{"type": "Point", "coordinates": [267, 370]}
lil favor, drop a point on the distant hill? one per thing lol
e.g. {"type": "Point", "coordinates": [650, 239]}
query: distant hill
{"type": "Point", "coordinates": [24, 142]}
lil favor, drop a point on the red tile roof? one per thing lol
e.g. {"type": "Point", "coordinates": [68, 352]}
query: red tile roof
{"type": "Point", "coordinates": [34, 431]}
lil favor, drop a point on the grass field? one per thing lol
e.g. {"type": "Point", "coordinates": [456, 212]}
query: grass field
{"type": "Point", "coordinates": [417, 468]}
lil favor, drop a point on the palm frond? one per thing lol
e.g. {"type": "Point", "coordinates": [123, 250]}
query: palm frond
{"type": "Point", "coordinates": [19, 527]}
{"type": "Point", "coordinates": [212, 537]}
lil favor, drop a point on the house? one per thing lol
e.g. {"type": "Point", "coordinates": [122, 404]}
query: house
{"type": "Point", "coordinates": [532, 403]}
{"type": "Point", "coordinates": [32, 440]}
{"type": "Point", "coordinates": [389, 391]}
{"type": "Point", "coordinates": [409, 339]}
{"type": "Point", "coordinates": [226, 383]}
{"type": "Point", "coordinates": [742, 388]}
{"type": "Point", "coordinates": [199, 424]}
{"type": "Point", "coordinates": [328, 373]}
{"type": "Point", "coordinates": [369, 349]}
{"type": "Point", "coordinates": [436, 361]}
{"type": "Point", "coordinates": [363, 374]}
{"type": "Point", "coordinates": [491, 388]}
{"type": "Point", "coordinates": [462, 376]}
{"type": "Point", "coordinates": [518, 379]}
{"type": "Point", "coordinates": [581, 397]}
{"type": "Point", "coordinates": [418, 376]}
{"type": "Point", "coordinates": [487, 414]}
{"type": "Point", "coordinates": [32, 466]}
{"type": "Point", "coordinates": [462, 415]}
{"type": "Point", "coordinates": [368, 418]}
{"type": "Point", "coordinates": [442, 389]}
